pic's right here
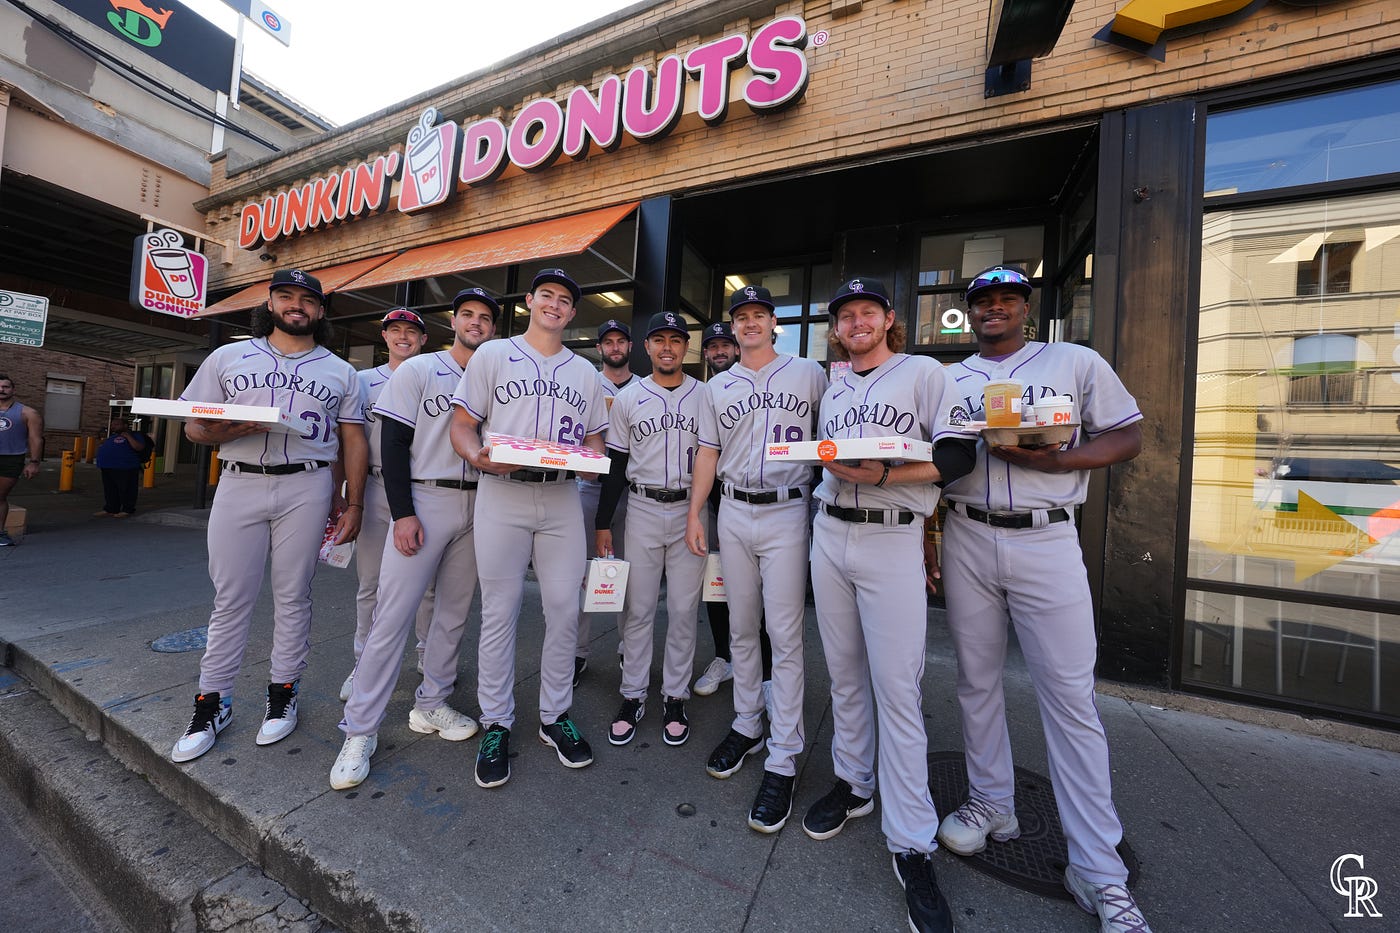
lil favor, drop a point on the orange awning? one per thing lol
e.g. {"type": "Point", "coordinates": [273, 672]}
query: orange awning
{"type": "Point", "coordinates": [333, 279]}
{"type": "Point", "coordinates": [563, 236]}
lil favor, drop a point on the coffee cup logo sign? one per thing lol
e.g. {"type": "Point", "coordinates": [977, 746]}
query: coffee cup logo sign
{"type": "Point", "coordinates": [167, 278]}
{"type": "Point", "coordinates": [645, 104]}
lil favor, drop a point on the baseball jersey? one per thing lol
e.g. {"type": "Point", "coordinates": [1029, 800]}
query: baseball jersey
{"type": "Point", "coordinates": [745, 411]}
{"type": "Point", "coordinates": [316, 386]}
{"type": "Point", "coordinates": [420, 396]}
{"type": "Point", "coordinates": [911, 396]}
{"type": "Point", "coordinates": [610, 391]}
{"type": "Point", "coordinates": [511, 389]}
{"type": "Point", "coordinates": [372, 383]}
{"type": "Point", "coordinates": [656, 427]}
{"type": "Point", "coordinates": [1101, 402]}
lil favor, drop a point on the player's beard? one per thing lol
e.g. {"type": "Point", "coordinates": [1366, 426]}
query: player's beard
{"type": "Point", "coordinates": [615, 361]}
{"type": "Point", "coordinates": [305, 329]}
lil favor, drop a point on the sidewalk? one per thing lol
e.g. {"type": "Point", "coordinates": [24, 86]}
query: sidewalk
{"type": "Point", "coordinates": [1235, 825]}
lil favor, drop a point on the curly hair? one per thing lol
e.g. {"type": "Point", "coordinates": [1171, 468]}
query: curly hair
{"type": "Point", "coordinates": [261, 324]}
{"type": "Point", "coordinates": [895, 338]}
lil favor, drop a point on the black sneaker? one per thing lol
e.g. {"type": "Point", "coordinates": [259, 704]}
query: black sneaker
{"type": "Point", "coordinates": [675, 725]}
{"type": "Point", "coordinates": [580, 665]}
{"type": "Point", "coordinates": [827, 816]}
{"type": "Point", "coordinates": [773, 804]}
{"type": "Point", "coordinates": [928, 910]}
{"type": "Point", "coordinates": [729, 754]}
{"type": "Point", "coordinates": [563, 736]}
{"type": "Point", "coordinates": [493, 757]}
{"type": "Point", "coordinates": [628, 715]}
{"type": "Point", "coordinates": [211, 714]}
{"type": "Point", "coordinates": [281, 716]}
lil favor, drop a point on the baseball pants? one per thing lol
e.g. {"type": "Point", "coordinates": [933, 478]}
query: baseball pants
{"type": "Point", "coordinates": [763, 553]}
{"type": "Point", "coordinates": [588, 494]}
{"type": "Point", "coordinates": [369, 555]}
{"type": "Point", "coordinates": [520, 522]}
{"type": "Point", "coordinates": [1034, 578]}
{"type": "Point", "coordinates": [656, 541]}
{"type": "Point", "coordinates": [446, 562]}
{"type": "Point", "coordinates": [254, 516]}
{"type": "Point", "coordinates": [868, 582]}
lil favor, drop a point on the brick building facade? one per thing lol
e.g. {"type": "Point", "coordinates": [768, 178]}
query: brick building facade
{"type": "Point", "coordinates": [71, 392]}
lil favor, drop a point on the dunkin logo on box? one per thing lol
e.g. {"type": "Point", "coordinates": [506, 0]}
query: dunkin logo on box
{"type": "Point", "coordinates": [826, 450]}
{"type": "Point", "coordinates": [778, 450]}
{"type": "Point", "coordinates": [552, 461]}
{"type": "Point", "coordinates": [206, 410]}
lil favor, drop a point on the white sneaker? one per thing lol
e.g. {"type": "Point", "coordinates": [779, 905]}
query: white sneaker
{"type": "Point", "coordinates": [1113, 903]}
{"type": "Point", "coordinates": [445, 721]}
{"type": "Point", "coordinates": [717, 673]}
{"type": "Point", "coordinates": [211, 714]}
{"type": "Point", "coordinates": [966, 829]}
{"type": "Point", "coordinates": [768, 700]}
{"type": "Point", "coordinates": [348, 686]}
{"type": "Point", "coordinates": [352, 764]}
{"type": "Point", "coordinates": [281, 716]}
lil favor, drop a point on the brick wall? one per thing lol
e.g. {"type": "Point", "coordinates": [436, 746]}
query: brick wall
{"type": "Point", "coordinates": [896, 74]}
{"type": "Point", "coordinates": [102, 381]}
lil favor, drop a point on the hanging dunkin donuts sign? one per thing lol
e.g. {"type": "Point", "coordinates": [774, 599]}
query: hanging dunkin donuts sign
{"type": "Point", "coordinates": [766, 72]}
{"type": "Point", "coordinates": [166, 277]}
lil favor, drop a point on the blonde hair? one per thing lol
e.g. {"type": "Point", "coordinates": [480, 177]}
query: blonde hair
{"type": "Point", "coordinates": [895, 338]}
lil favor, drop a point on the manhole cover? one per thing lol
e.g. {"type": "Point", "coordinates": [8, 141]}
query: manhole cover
{"type": "Point", "coordinates": [1034, 862]}
{"type": "Point", "coordinates": [193, 639]}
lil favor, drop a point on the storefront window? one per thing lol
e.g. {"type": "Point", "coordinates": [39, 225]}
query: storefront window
{"type": "Point", "coordinates": [948, 262]}
{"type": "Point", "coordinates": [799, 294]}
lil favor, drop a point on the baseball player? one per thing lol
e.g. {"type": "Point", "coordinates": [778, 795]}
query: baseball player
{"type": "Point", "coordinates": [21, 447]}
{"type": "Point", "coordinates": [615, 348]}
{"type": "Point", "coordinates": [762, 532]}
{"type": "Point", "coordinates": [1011, 553]}
{"type": "Point", "coordinates": [274, 496]}
{"type": "Point", "coordinates": [651, 440]}
{"type": "Point", "coordinates": [404, 335]}
{"type": "Point", "coordinates": [432, 498]}
{"type": "Point", "coordinates": [868, 583]}
{"type": "Point", "coordinates": [530, 386]}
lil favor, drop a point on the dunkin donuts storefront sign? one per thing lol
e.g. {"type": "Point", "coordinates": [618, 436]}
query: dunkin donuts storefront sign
{"type": "Point", "coordinates": [645, 104]}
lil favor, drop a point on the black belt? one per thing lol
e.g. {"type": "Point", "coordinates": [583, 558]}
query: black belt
{"type": "Point", "coordinates": [767, 497]}
{"type": "Point", "coordinates": [660, 495]}
{"type": "Point", "coordinates": [233, 466]}
{"type": "Point", "coordinates": [869, 516]}
{"type": "Point", "coordinates": [464, 484]}
{"type": "Point", "coordinates": [1012, 519]}
{"type": "Point", "coordinates": [540, 476]}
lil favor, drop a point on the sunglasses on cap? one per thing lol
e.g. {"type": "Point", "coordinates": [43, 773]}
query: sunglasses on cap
{"type": "Point", "coordinates": [402, 314]}
{"type": "Point", "coordinates": [1009, 278]}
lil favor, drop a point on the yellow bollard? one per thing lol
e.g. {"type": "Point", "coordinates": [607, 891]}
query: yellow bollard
{"type": "Point", "coordinates": [77, 447]}
{"type": "Point", "coordinates": [214, 467]}
{"type": "Point", "coordinates": [65, 471]}
{"type": "Point", "coordinates": [91, 450]}
{"type": "Point", "coordinates": [148, 475]}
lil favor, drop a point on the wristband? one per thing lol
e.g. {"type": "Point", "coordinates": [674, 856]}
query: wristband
{"type": "Point", "coordinates": [883, 476]}
{"type": "Point", "coordinates": [354, 505]}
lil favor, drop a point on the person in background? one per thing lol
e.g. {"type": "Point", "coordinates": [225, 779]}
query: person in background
{"type": "Point", "coordinates": [21, 446]}
{"type": "Point", "coordinates": [121, 458]}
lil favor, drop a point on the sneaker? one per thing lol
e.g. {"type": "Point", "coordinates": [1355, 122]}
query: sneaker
{"type": "Point", "coordinates": [347, 687]}
{"type": "Point", "coordinates": [966, 829]}
{"type": "Point", "coordinates": [211, 714]}
{"type": "Point", "coordinates": [6, 540]}
{"type": "Point", "coordinates": [768, 699]}
{"type": "Point", "coordinates": [352, 764]}
{"type": "Point", "coordinates": [580, 665]}
{"type": "Point", "coordinates": [563, 736]}
{"type": "Point", "coordinates": [1113, 903]}
{"type": "Point", "coordinates": [281, 716]}
{"type": "Point", "coordinates": [103, 513]}
{"type": "Point", "coordinates": [675, 725]}
{"type": "Point", "coordinates": [717, 673]}
{"type": "Point", "coordinates": [827, 816]}
{"type": "Point", "coordinates": [773, 803]}
{"type": "Point", "coordinates": [624, 725]}
{"type": "Point", "coordinates": [729, 754]}
{"type": "Point", "coordinates": [122, 515]}
{"type": "Point", "coordinates": [493, 757]}
{"type": "Point", "coordinates": [928, 909]}
{"type": "Point", "coordinates": [447, 722]}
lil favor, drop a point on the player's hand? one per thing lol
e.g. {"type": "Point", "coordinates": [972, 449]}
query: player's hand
{"type": "Point", "coordinates": [216, 431]}
{"type": "Point", "coordinates": [408, 535]}
{"type": "Point", "coordinates": [602, 543]}
{"type": "Point", "coordinates": [932, 572]}
{"type": "Point", "coordinates": [482, 461]}
{"type": "Point", "coordinates": [590, 477]}
{"type": "Point", "coordinates": [1045, 459]}
{"type": "Point", "coordinates": [30, 470]}
{"type": "Point", "coordinates": [867, 472]}
{"type": "Point", "coordinates": [347, 527]}
{"type": "Point", "coordinates": [695, 536]}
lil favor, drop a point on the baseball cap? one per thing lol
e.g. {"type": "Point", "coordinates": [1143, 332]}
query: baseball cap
{"type": "Point", "coordinates": [718, 331]}
{"type": "Point", "coordinates": [476, 294]}
{"type": "Point", "coordinates": [611, 325]}
{"type": "Point", "coordinates": [998, 277]}
{"type": "Point", "coordinates": [298, 278]}
{"type": "Point", "coordinates": [751, 295]}
{"type": "Point", "coordinates": [402, 314]}
{"type": "Point", "coordinates": [559, 277]}
{"type": "Point", "coordinates": [667, 320]}
{"type": "Point", "coordinates": [859, 287]}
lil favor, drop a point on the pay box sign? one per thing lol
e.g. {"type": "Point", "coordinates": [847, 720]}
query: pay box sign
{"type": "Point", "coordinates": [606, 586]}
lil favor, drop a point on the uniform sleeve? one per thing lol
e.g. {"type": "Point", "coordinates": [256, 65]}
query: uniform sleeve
{"type": "Point", "coordinates": [206, 386]}
{"type": "Point", "coordinates": [352, 405]}
{"type": "Point", "coordinates": [817, 391]}
{"type": "Point", "coordinates": [474, 389]}
{"type": "Point", "coordinates": [400, 397]}
{"type": "Point", "coordinates": [1104, 402]}
{"type": "Point", "coordinates": [620, 423]}
{"type": "Point", "coordinates": [595, 416]}
{"type": "Point", "coordinates": [709, 423]}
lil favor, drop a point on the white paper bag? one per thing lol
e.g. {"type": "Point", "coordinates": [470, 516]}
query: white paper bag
{"type": "Point", "coordinates": [713, 589]}
{"type": "Point", "coordinates": [606, 585]}
{"type": "Point", "coordinates": [332, 554]}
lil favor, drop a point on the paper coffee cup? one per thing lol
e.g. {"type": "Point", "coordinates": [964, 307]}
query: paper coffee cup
{"type": "Point", "coordinates": [1055, 409]}
{"type": "Point", "coordinates": [1001, 401]}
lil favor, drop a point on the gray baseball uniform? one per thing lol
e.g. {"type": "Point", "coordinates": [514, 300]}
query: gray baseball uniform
{"type": "Point", "coordinates": [868, 582]}
{"type": "Point", "coordinates": [763, 547]}
{"type": "Point", "coordinates": [656, 427]}
{"type": "Point", "coordinates": [1035, 578]}
{"type": "Point", "coordinates": [257, 513]}
{"type": "Point", "coordinates": [420, 396]}
{"type": "Point", "coordinates": [510, 388]}
{"type": "Point", "coordinates": [588, 492]}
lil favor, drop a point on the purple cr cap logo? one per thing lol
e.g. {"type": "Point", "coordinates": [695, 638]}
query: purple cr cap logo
{"type": "Point", "coordinates": [856, 286]}
{"type": "Point", "coordinates": [750, 293]}
{"type": "Point", "coordinates": [670, 318]}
